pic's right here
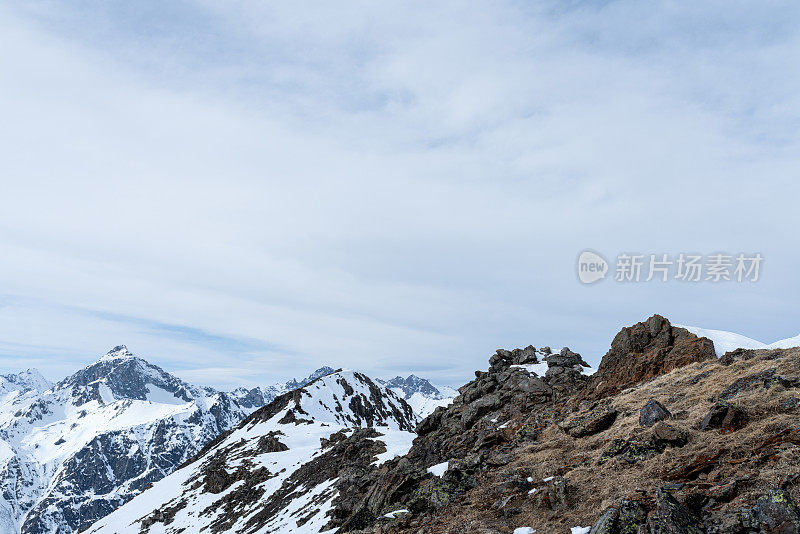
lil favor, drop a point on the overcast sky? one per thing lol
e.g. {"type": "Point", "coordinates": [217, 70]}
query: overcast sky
{"type": "Point", "coordinates": [243, 191]}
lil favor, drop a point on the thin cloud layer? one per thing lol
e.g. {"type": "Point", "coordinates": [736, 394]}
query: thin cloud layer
{"type": "Point", "coordinates": [243, 192]}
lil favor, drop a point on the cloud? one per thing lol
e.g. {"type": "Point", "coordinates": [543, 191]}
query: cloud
{"type": "Point", "coordinates": [250, 186]}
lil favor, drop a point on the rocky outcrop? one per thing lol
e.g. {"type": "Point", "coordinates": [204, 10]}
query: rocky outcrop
{"type": "Point", "coordinates": [646, 350]}
{"type": "Point", "coordinates": [590, 422]}
{"type": "Point", "coordinates": [693, 452]}
{"type": "Point", "coordinates": [724, 416]}
{"type": "Point", "coordinates": [472, 435]}
{"type": "Point", "coordinates": [653, 412]}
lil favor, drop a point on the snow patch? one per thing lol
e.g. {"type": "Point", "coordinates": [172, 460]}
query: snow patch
{"type": "Point", "coordinates": [539, 369]}
{"type": "Point", "coordinates": [395, 513]}
{"type": "Point", "coordinates": [162, 396]}
{"type": "Point", "coordinates": [438, 469]}
{"type": "Point", "coordinates": [728, 341]}
{"type": "Point", "coordinates": [398, 443]}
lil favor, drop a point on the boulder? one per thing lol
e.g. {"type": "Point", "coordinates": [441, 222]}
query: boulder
{"type": "Point", "coordinates": [775, 512]}
{"type": "Point", "coordinates": [565, 358]}
{"type": "Point", "coordinates": [669, 435]}
{"type": "Point", "coordinates": [671, 517]}
{"type": "Point", "coordinates": [653, 412]}
{"type": "Point", "coordinates": [624, 518]}
{"type": "Point", "coordinates": [524, 356]}
{"type": "Point", "coordinates": [724, 416]}
{"type": "Point", "coordinates": [591, 422]}
{"type": "Point", "coordinates": [646, 350]}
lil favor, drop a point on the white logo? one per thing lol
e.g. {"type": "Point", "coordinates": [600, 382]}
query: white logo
{"type": "Point", "coordinates": [591, 267]}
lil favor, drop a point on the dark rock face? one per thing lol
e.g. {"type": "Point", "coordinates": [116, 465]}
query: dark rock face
{"type": "Point", "coordinates": [113, 466]}
{"type": "Point", "coordinates": [727, 417]}
{"type": "Point", "coordinates": [413, 384]}
{"type": "Point", "coordinates": [775, 512]}
{"type": "Point", "coordinates": [503, 358]}
{"type": "Point", "coordinates": [627, 517]}
{"type": "Point", "coordinates": [646, 350]}
{"type": "Point", "coordinates": [653, 412]}
{"type": "Point", "coordinates": [594, 421]}
{"type": "Point", "coordinates": [765, 379]}
{"type": "Point", "coordinates": [128, 377]}
{"type": "Point", "coordinates": [466, 434]}
{"type": "Point", "coordinates": [671, 517]}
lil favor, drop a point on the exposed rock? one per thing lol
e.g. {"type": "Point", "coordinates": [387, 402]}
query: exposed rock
{"type": "Point", "coordinates": [669, 434]}
{"type": "Point", "coordinates": [766, 379]}
{"type": "Point", "coordinates": [631, 451]}
{"type": "Point", "coordinates": [776, 513]}
{"type": "Point", "coordinates": [591, 422]}
{"type": "Point", "coordinates": [736, 354]}
{"type": "Point", "coordinates": [646, 350]}
{"type": "Point", "coordinates": [653, 412]}
{"type": "Point", "coordinates": [565, 358]}
{"type": "Point", "coordinates": [699, 465]}
{"type": "Point", "coordinates": [727, 417]}
{"type": "Point", "coordinates": [624, 518]}
{"type": "Point", "coordinates": [671, 517]}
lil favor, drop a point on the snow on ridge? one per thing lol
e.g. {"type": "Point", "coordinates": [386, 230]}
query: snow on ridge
{"type": "Point", "coordinates": [28, 380]}
{"type": "Point", "coordinates": [727, 341]}
{"type": "Point", "coordinates": [294, 439]}
{"type": "Point", "coordinates": [118, 352]}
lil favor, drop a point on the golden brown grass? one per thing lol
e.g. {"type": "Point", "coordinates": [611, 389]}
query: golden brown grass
{"type": "Point", "coordinates": [593, 487]}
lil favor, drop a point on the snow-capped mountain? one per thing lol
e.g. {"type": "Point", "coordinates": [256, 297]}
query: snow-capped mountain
{"type": "Point", "coordinates": [72, 452]}
{"type": "Point", "coordinates": [254, 398]}
{"type": "Point", "coordinates": [277, 471]}
{"type": "Point", "coordinates": [727, 341]}
{"type": "Point", "coordinates": [29, 380]}
{"type": "Point", "coordinates": [421, 395]}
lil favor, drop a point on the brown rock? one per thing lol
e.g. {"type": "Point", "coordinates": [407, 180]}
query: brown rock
{"type": "Point", "coordinates": [644, 351]}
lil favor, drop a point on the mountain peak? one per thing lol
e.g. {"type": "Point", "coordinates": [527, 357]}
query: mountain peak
{"type": "Point", "coordinates": [123, 375]}
{"type": "Point", "coordinates": [30, 379]}
{"type": "Point", "coordinates": [413, 384]}
{"type": "Point", "coordinates": [120, 351]}
{"type": "Point", "coordinates": [346, 398]}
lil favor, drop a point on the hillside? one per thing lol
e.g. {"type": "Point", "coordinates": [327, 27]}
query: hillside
{"type": "Point", "coordinates": [664, 438]}
{"type": "Point", "coordinates": [277, 470]}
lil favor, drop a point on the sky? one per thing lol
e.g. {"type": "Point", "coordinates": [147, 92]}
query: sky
{"type": "Point", "coordinates": [244, 191]}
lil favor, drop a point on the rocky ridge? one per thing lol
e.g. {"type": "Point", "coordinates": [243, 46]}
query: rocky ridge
{"type": "Point", "coordinates": [664, 438]}
{"type": "Point", "coordinates": [253, 398]}
{"type": "Point", "coordinates": [276, 470]}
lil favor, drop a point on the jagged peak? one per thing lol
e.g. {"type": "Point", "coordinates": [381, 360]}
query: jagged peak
{"type": "Point", "coordinates": [345, 397]}
{"type": "Point", "coordinates": [29, 379]}
{"type": "Point", "coordinates": [118, 352]}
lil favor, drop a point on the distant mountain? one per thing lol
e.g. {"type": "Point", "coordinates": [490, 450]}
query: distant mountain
{"type": "Point", "coordinates": [254, 398]}
{"type": "Point", "coordinates": [72, 452]}
{"type": "Point", "coordinates": [30, 380]}
{"type": "Point", "coordinates": [279, 469]}
{"type": "Point", "coordinates": [423, 396]}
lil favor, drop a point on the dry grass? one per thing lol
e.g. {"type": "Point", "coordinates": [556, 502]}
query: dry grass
{"type": "Point", "coordinates": [688, 393]}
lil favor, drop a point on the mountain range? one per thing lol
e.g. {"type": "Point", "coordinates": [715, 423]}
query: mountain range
{"type": "Point", "coordinates": [665, 436]}
{"type": "Point", "coordinates": [679, 430]}
{"type": "Point", "coordinates": [73, 451]}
